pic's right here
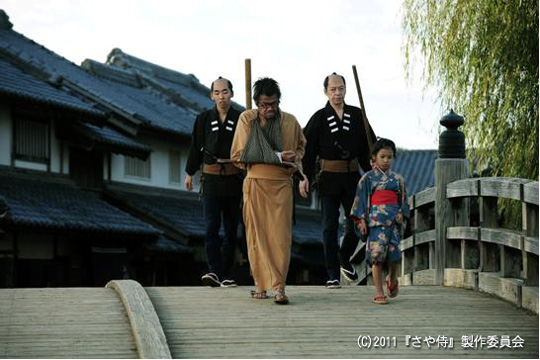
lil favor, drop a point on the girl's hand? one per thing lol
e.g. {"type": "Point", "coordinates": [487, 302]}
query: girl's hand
{"type": "Point", "coordinates": [362, 226]}
{"type": "Point", "coordinates": [399, 218]}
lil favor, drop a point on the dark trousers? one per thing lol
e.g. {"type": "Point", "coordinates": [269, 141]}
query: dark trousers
{"type": "Point", "coordinates": [334, 255]}
{"type": "Point", "coordinates": [220, 251]}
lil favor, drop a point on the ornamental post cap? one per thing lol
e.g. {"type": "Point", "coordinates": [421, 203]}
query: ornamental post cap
{"type": "Point", "coordinates": [452, 120]}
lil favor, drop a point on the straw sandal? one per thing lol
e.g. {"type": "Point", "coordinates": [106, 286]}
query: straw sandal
{"type": "Point", "coordinates": [393, 290]}
{"type": "Point", "coordinates": [280, 298]}
{"type": "Point", "coordinates": [380, 299]}
{"type": "Point", "coordinates": [259, 295]}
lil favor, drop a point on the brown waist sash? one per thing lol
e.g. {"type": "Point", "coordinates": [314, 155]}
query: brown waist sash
{"type": "Point", "coordinates": [339, 166]}
{"type": "Point", "coordinates": [220, 169]}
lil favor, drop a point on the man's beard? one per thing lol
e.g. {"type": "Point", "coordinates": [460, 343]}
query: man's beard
{"type": "Point", "coordinates": [273, 117]}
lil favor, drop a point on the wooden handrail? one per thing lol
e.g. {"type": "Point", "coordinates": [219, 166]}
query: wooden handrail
{"type": "Point", "coordinates": [507, 188]}
{"type": "Point", "coordinates": [483, 256]}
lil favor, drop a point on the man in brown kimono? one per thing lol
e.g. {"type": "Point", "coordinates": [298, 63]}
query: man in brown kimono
{"type": "Point", "coordinates": [270, 144]}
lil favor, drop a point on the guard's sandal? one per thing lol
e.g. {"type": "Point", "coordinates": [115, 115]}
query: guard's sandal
{"type": "Point", "coordinates": [259, 295]}
{"type": "Point", "coordinates": [393, 290]}
{"type": "Point", "coordinates": [280, 298]}
{"type": "Point", "coordinates": [381, 300]}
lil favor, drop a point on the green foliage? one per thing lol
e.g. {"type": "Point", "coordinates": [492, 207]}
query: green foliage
{"type": "Point", "coordinates": [482, 56]}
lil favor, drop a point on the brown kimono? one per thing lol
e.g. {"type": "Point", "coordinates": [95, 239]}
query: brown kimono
{"type": "Point", "coordinates": [268, 203]}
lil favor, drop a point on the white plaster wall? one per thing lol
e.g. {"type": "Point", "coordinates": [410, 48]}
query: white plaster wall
{"type": "Point", "coordinates": [159, 166]}
{"type": "Point", "coordinates": [5, 136]}
{"type": "Point", "coordinates": [30, 165]}
{"type": "Point", "coordinates": [55, 150]}
{"type": "Point", "coordinates": [66, 159]}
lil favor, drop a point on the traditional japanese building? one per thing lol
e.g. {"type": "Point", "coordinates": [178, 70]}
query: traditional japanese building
{"type": "Point", "coordinates": [92, 162]}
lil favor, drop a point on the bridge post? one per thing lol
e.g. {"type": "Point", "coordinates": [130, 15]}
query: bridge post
{"type": "Point", "coordinates": [451, 165]}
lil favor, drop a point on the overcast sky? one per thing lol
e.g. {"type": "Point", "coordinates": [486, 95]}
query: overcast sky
{"type": "Point", "coordinates": [297, 43]}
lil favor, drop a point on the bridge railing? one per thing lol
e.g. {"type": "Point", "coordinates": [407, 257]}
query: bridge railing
{"type": "Point", "coordinates": [477, 253]}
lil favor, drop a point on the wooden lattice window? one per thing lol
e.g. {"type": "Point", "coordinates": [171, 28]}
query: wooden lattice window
{"type": "Point", "coordinates": [31, 139]}
{"type": "Point", "coordinates": [137, 167]}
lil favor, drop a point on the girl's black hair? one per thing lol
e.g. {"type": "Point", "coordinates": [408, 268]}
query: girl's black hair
{"type": "Point", "coordinates": [381, 144]}
{"type": "Point", "coordinates": [229, 84]}
{"type": "Point", "coordinates": [266, 86]}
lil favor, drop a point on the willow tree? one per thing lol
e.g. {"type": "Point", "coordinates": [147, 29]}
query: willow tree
{"type": "Point", "coordinates": [482, 57]}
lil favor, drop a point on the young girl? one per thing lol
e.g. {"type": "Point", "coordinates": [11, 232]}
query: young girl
{"type": "Point", "coordinates": [381, 204]}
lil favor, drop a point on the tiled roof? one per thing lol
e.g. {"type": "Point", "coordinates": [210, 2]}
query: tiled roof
{"type": "Point", "coordinates": [14, 81]}
{"type": "Point", "coordinates": [148, 104]}
{"type": "Point", "coordinates": [417, 167]}
{"type": "Point", "coordinates": [55, 203]}
{"type": "Point", "coordinates": [188, 87]}
{"type": "Point", "coordinates": [168, 245]}
{"type": "Point", "coordinates": [108, 136]}
{"type": "Point", "coordinates": [185, 212]}
{"type": "Point", "coordinates": [143, 104]}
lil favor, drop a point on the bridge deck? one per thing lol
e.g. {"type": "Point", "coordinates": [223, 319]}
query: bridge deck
{"type": "Point", "coordinates": [320, 323]}
{"type": "Point", "coordinates": [201, 322]}
{"type": "Point", "coordinates": [64, 323]}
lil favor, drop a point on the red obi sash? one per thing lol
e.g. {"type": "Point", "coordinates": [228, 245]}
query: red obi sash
{"type": "Point", "coordinates": [384, 197]}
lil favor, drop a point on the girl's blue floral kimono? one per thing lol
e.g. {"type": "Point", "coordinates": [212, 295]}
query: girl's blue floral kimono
{"type": "Point", "coordinates": [380, 196]}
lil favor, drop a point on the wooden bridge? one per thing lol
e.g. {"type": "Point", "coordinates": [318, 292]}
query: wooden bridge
{"type": "Point", "coordinates": [469, 289]}
{"type": "Point", "coordinates": [126, 321]}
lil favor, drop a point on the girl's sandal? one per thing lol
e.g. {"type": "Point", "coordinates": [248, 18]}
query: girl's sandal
{"type": "Point", "coordinates": [380, 299]}
{"type": "Point", "coordinates": [393, 290]}
{"type": "Point", "coordinates": [259, 295]}
{"type": "Point", "coordinates": [281, 298]}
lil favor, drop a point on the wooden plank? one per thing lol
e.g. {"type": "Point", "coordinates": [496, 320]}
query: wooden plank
{"type": "Point", "coordinates": [462, 232]}
{"type": "Point", "coordinates": [203, 322]}
{"type": "Point", "coordinates": [463, 187]}
{"type": "Point", "coordinates": [147, 331]}
{"type": "Point", "coordinates": [529, 299]}
{"type": "Point", "coordinates": [64, 323]}
{"type": "Point", "coordinates": [405, 279]}
{"type": "Point", "coordinates": [406, 244]}
{"type": "Point", "coordinates": [509, 188]}
{"type": "Point", "coordinates": [424, 277]}
{"type": "Point", "coordinates": [505, 288]}
{"type": "Point", "coordinates": [425, 237]}
{"type": "Point", "coordinates": [530, 192]}
{"type": "Point", "coordinates": [424, 197]}
{"type": "Point", "coordinates": [504, 237]}
{"type": "Point", "coordinates": [446, 254]}
{"type": "Point", "coordinates": [219, 323]}
{"type": "Point", "coordinates": [467, 279]}
{"type": "Point", "coordinates": [529, 254]}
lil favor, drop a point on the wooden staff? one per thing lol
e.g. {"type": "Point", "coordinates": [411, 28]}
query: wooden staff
{"type": "Point", "coordinates": [248, 83]}
{"type": "Point", "coordinates": [367, 126]}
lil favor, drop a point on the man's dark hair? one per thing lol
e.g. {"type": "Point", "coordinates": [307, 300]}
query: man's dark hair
{"type": "Point", "coordinates": [229, 84]}
{"type": "Point", "coordinates": [326, 79]}
{"type": "Point", "coordinates": [381, 144]}
{"type": "Point", "coordinates": [266, 86]}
